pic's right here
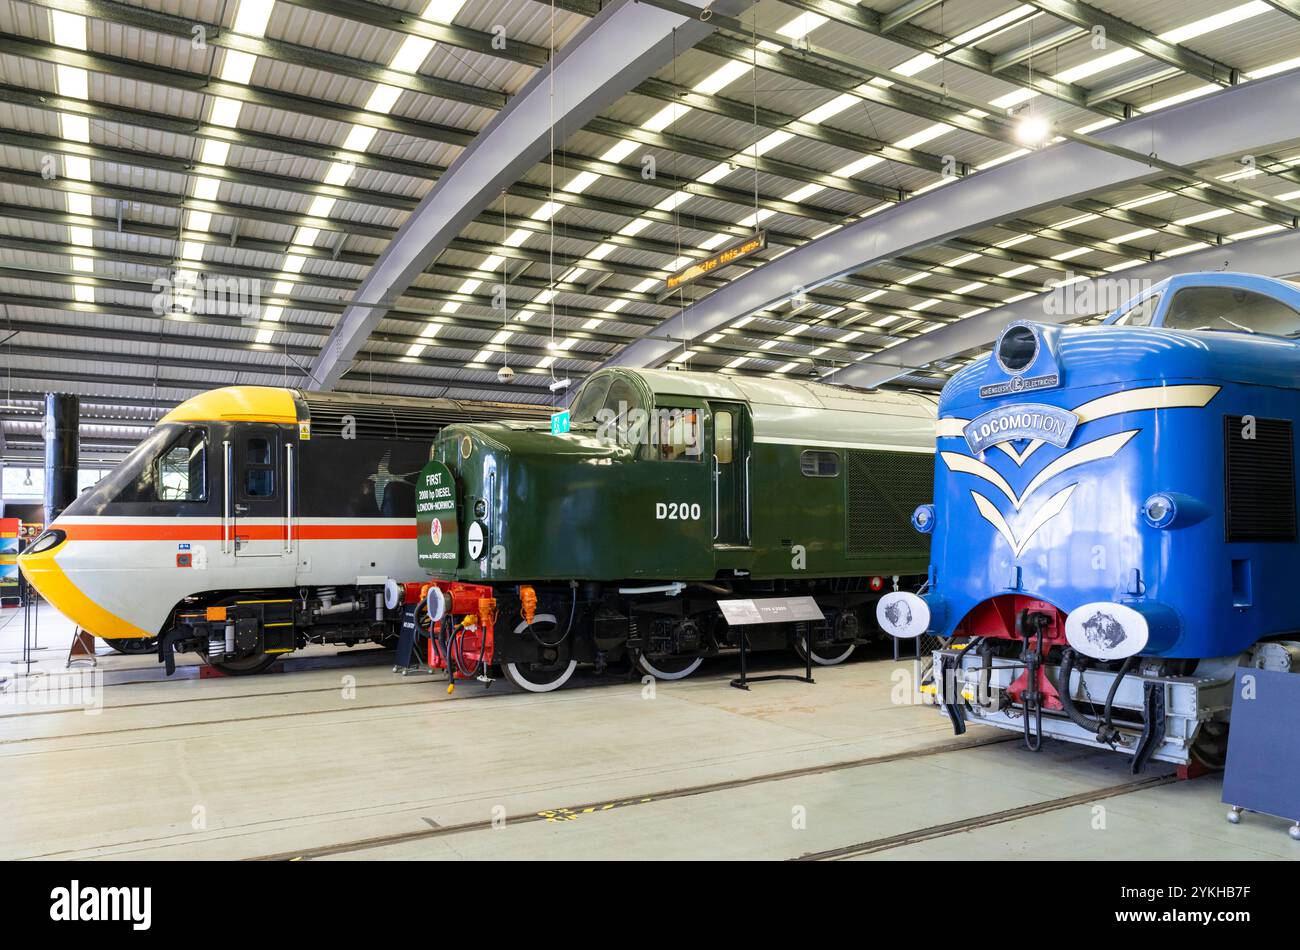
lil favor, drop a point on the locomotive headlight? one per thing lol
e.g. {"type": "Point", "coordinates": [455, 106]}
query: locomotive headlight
{"type": "Point", "coordinates": [1159, 510]}
{"type": "Point", "coordinates": [923, 518]}
{"type": "Point", "coordinates": [1169, 509]}
{"type": "Point", "coordinates": [50, 539]}
{"type": "Point", "coordinates": [480, 509]}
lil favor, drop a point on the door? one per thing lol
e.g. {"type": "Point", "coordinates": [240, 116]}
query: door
{"type": "Point", "coordinates": [730, 440]}
{"type": "Point", "coordinates": [260, 489]}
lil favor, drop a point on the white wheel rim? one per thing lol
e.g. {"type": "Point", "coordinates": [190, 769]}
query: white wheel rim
{"type": "Point", "coordinates": [648, 667]}
{"type": "Point", "coordinates": [515, 676]}
{"type": "Point", "coordinates": [833, 660]}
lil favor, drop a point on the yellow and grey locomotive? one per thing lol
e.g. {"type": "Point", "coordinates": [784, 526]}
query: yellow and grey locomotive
{"type": "Point", "coordinates": [250, 521]}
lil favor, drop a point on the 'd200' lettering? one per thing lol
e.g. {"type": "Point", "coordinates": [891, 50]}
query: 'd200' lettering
{"type": "Point", "coordinates": [676, 511]}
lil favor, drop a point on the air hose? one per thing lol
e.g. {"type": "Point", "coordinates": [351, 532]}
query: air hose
{"type": "Point", "coordinates": [554, 644]}
{"type": "Point", "coordinates": [1103, 729]}
{"type": "Point", "coordinates": [1031, 699]}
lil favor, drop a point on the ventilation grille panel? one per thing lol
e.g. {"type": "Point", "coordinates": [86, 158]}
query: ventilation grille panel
{"type": "Point", "coordinates": [1259, 481]}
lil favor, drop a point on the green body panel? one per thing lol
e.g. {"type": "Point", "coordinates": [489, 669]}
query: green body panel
{"type": "Point", "coordinates": [576, 506]}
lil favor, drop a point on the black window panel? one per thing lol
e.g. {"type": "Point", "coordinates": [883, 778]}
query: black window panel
{"type": "Point", "coordinates": [259, 451]}
{"type": "Point", "coordinates": [259, 482]}
{"type": "Point", "coordinates": [1259, 480]}
{"type": "Point", "coordinates": [819, 464]}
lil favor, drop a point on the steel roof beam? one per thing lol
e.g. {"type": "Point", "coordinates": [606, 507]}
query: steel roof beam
{"type": "Point", "coordinates": [1036, 46]}
{"type": "Point", "coordinates": [904, 12]}
{"type": "Point", "coordinates": [1250, 118]}
{"type": "Point", "coordinates": [353, 195]}
{"type": "Point", "coordinates": [399, 21]}
{"type": "Point", "coordinates": [927, 41]}
{"type": "Point", "coordinates": [1272, 255]}
{"type": "Point", "coordinates": [486, 324]}
{"type": "Point", "coordinates": [308, 57]}
{"type": "Point", "coordinates": [37, 49]}
{"type": "Point", "coordinates": [929, 99]}
{"type": "Point", "coordinates": [166, 335]}
{"type": "Point", "coordinates": [289, 374]}
{"type": "Point", "coordinates": [585, 201]}
{"type": "Point", "coordinates": [1290, 7]}
{"type": "Point", "coordinates": [1136, 38]}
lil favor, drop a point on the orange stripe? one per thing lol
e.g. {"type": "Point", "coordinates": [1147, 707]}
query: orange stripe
{"type": "Point", "coordinates": [332, 532]}
{"type": "Point", "coordinates": [142, 532]}
{"type": "Point", "coordinates": [258, 532]}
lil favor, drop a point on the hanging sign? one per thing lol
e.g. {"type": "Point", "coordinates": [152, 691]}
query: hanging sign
{"type": "Point", "coordinates": [728, 255]}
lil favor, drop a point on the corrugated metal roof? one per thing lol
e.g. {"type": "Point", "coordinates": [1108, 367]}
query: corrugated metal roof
{"type": "Point", "coordinates": [263, 217]}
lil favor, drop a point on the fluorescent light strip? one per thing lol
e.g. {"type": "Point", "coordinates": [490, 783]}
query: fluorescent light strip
{"type": "Point", "coordinates": [410, 55]}
{"type": "Point", "coordinates": [69, 30]}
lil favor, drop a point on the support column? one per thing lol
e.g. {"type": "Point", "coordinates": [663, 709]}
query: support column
{"type": "Point", "coordinates": [62, 442]}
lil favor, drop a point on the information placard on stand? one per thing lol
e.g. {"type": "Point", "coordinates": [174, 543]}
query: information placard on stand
{"type": "Point", "coordinates": [1263, 768]}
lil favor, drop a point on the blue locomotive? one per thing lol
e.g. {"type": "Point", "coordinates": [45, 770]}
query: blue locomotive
{"type": "Point", "coordinates": [1114, 526]}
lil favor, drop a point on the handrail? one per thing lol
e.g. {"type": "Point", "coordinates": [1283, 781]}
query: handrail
{"type": "Point", "coordinates": [226, 496]}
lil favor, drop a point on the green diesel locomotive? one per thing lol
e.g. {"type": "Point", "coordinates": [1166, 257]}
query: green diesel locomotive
{"type": "Point", "coordinates": [669, 494]}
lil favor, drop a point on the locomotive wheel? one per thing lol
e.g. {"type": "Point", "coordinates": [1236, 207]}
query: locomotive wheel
{"type": "Point", "coordinates": [830, 654]}
{"type": "Point", "coordinates": [669, 667]}
{"type": "Point", "coordinates": [1210, 748]}
{"type": "Point", "coordinates": [527, 676]}
{"type": "Point", "coordinates": [244, 665]}
{"type": "Point", "coordinates": [132, 646]}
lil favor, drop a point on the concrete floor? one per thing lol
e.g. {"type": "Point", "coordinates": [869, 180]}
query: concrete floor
{"type": "Point", "coordinates": [338, 759]}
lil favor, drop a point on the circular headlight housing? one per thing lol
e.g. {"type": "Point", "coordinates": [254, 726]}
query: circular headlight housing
{"type": "Point", "coordinates": [1159, 510]}
{"type": "Point", "coordinates": [1017, 348]}
{"type": "Point", "coordinates": [923, 518]}
{"type": "Point", "coordinates": [47, 540]}
{"type": "Point", "coordinates": [480, 509]}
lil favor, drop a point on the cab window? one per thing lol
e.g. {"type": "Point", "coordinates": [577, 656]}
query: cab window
{"type": "Point", "coordinates": [724, 436]}
{"type": "Point", "coordinates": [259, 468]}
{"type": "Point", "coordinates": [819, 464]}
{"type": "Point", "coordinates": [623, 417]}
{"type": "Point", "coordinates": [1140, 314]}
{"type": "Point", "coordinates": [181, 471]}
{"type": "Point", "coordinates": [678, 434]}
{"type": "Point", "coordinates": [590, 399]}
{"type": "Point", "coordinates": [1231, 309]}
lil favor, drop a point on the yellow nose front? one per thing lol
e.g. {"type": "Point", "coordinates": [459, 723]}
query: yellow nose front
{"type": "Point", "coordinates": [51, 582]}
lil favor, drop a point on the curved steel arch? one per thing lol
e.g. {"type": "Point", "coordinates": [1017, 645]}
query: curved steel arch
{"type": "Point", "coordinates": [619, 48]}
{"type": "Point", "coordinates": [1245, 119]}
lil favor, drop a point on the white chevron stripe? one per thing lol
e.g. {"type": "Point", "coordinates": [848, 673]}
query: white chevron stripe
{"type": "Point", "coordinates": [994, 517]}
{"type": "Point", "coordinates": [973, 466]}
{"type": "Point", "coordinates": [1051, 508]}
{"type": "Point", "coordinates": [1149, 397]}
{"type": "Point", "coordinates": [1101, 448]}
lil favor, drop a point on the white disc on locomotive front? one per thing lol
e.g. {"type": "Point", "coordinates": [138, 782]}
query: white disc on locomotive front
{"type": "Point", "coordinates": [1106, 631]}
{"type": "Point", "coordinates": [475, 541]}
{"type": "Point", "coordinates": [903, 614]}
{"type": "Point", "coordinates": [436, 603]}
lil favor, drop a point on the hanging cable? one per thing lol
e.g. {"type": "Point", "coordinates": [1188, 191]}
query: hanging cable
{"type": "Point", "coordinates": [550, 255]}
